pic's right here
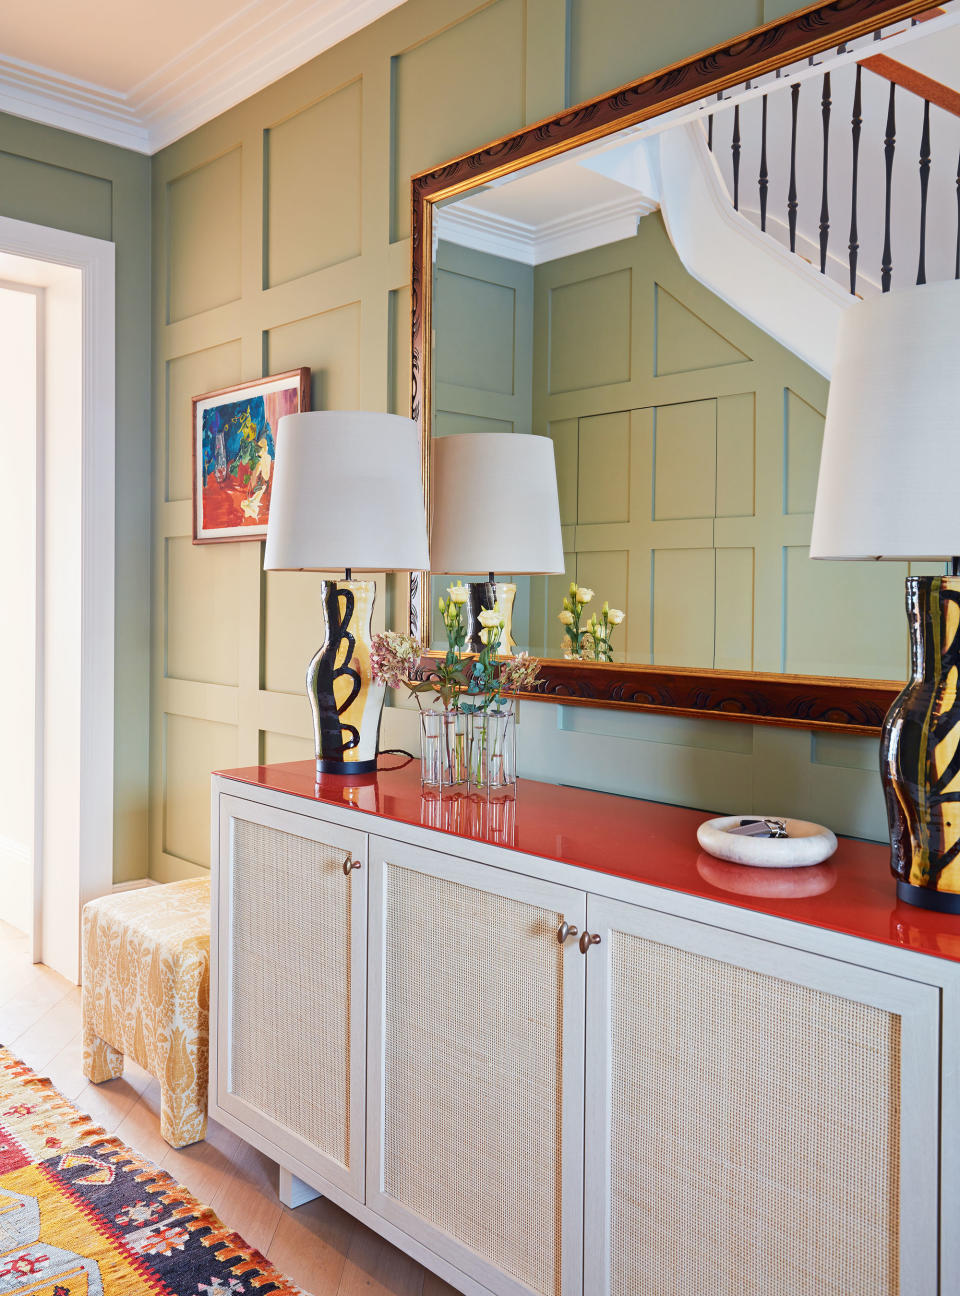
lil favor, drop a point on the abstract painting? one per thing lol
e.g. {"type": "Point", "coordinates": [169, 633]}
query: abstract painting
{"type": "Point", "coordinates": [234, 448]}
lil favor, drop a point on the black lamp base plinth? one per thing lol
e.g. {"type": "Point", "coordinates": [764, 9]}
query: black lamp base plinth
{"type": "Point", "coordinates": [346, 767]}
{"type": "Point", "coordinates": [927, 898]}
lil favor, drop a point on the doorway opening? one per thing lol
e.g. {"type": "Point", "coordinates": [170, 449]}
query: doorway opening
{"type": "Point", "coordinates": [57, 362]}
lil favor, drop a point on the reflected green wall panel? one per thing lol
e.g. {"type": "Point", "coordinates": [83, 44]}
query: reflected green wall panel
{"type": "Point", "coordinates": [476, 331]}
{"type": "Point", "coordinates": [803, 437]}
{"type": "Point", "coordinates": [588, 325]}
{"type": "Point", "coordinates": [684, 342]}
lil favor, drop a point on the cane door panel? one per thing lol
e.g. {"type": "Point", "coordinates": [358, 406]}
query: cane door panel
{"type": "Point", "coordinates": [476, 1067]}
{"type": "Point", "coordinates": [759, 1120]}
{"type": "Point", "coordinates": [292, 984]}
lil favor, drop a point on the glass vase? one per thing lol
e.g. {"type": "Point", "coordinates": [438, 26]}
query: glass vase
{"type": "Point", "coordinates": [493, 750]}
{"type": "Point", "coordinates": [444, 737]}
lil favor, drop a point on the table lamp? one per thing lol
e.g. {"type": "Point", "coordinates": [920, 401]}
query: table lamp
{"type": "Point", "coordinates": [494, 508]}
{"type": "Point", "coordinates": [888, 490]}
{"type": "Point", "coordinates": [347, 493]}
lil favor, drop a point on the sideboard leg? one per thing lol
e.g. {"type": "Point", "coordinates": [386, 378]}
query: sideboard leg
{"type": "Point", "coordinates": [294, 1192]}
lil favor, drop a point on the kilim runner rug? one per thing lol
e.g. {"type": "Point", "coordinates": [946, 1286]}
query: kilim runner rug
{"type": "Point", "coordinates": [83, 1215]}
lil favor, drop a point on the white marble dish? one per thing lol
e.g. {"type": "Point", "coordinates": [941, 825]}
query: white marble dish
{"type": "Point", "coordinates": [806, 843]}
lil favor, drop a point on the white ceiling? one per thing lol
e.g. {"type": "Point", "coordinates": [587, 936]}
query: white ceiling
{"type": "Point", "coordinates": [142, 73]}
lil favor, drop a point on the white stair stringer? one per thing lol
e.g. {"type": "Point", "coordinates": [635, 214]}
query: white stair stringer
{"type": "Point", "coordinates": [779, 291]}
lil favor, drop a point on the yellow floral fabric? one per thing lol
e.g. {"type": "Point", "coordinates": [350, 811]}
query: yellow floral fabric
{"type": "Point", "coordinates": [146, 993]}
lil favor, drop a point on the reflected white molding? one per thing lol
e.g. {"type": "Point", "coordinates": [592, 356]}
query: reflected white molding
{"type": "Point", "coordinates": [533, 244]}
{"type": "Point", "coordinates": [251, 49]}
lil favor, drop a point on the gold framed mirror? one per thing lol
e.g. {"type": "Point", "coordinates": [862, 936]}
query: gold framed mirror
{"type": "Point", "coordinates": [674, 257]}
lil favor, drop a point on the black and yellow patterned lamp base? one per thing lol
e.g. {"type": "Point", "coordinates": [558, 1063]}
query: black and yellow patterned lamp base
{"type": "Point", "coordinates": [920, 751]}
{"type": "Point", "coordinates": [345, 700]}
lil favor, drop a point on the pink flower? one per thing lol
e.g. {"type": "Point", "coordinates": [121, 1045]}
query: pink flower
{"type": "Point", "coordinates": [518, 674]}
{"type": "Point", "coordinates": [393, 658]}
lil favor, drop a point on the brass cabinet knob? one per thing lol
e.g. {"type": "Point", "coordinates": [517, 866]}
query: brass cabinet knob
{"type": "Point", "coordinates": [348, 865]}
{"type": "Point", "coordinates": [564, 930]}
{"type": "Point", "coordinates": [588, 939]}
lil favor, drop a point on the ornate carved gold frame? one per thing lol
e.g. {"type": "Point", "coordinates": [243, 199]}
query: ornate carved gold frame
{"type": "Point", "coordinates": [844, 705]}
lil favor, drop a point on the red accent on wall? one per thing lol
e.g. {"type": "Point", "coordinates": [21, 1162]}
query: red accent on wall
{"type": "Point", "coordinates": [644, 841]}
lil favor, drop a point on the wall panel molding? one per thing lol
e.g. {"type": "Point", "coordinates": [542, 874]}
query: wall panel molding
{"type": "Point", "coordinates": [511, 69]}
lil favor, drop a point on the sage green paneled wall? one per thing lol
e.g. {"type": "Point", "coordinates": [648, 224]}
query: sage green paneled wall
{"type": "Point", "coordinates": [281, 238]}
{"type": "Point", "coordinates": [51, 177]}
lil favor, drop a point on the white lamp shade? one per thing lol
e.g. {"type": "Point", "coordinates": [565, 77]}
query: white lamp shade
{"type": "Point", "coordinates": [347, 492]}
{"type": "Point", "coordinates": [890, 464]}
{"type": "Point", "coordinates": [494, 505]}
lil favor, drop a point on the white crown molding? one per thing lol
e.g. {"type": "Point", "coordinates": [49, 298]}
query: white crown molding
{"type": "Point", "coordinates": [252, 49]}
{"type": "Point", "coordinates": [42, 95]}
{"type": "Point", "coordinates": [516, 240]}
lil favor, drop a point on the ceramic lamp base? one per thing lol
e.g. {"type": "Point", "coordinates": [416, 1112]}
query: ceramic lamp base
{"type": "Point", "coordinates": [919, 754]}
{"type": "Point", "coordinates": [481, 596]}
{"type": "Point", "coordinates": [345, 701]}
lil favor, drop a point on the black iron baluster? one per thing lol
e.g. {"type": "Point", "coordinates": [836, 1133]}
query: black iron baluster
{"type": "Point", "coordinates": [924, 181]}
{"type": "Point", "coordinates": [792, 191]}
{"type": "Point", "coordinates": [889, 144]}
{"type": "Point", "coordinates": [764, 180]}
{"type": "Point", "coordinates": [735, 149]}
{"type": "Point", "coordinates": [825, 102]}
{"type": "Point", "coordinates": [856, 122]}
{"type": "Point", "coordinates": [710, 132]}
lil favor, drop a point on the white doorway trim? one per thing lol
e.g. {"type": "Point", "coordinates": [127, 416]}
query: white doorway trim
{"type": "Point", "coordinates": [83, 796]}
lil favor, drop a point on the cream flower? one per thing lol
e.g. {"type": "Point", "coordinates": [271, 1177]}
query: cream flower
{"type": "Point", "coordinates": [490, 617]}
{"type": "Point", "coordinates": [584, 595]}
{"type": "Point", "coordinates": [565, 618]}
{"type": "Point", "coordinates": [458, 593]}
{"type": "Point", "coordinates": [614, 616]}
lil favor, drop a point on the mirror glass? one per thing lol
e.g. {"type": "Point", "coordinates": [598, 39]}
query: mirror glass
{"type": "Point", "coordinates": [662, 304]}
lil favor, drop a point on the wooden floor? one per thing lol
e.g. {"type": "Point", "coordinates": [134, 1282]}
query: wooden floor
{"type": "Point", "coordinates": [318, 1246]}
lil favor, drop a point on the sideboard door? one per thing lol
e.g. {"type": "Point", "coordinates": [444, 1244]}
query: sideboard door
{"type": "Point", "coordinates": [475, 1133]}
{"type": "Point", "coordinates": [290, 974]}
{"type": "Point", "coordinates": [759, 1119]}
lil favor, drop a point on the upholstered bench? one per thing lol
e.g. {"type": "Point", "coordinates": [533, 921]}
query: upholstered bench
{"type": "Point", "coordinates": [146, 993]}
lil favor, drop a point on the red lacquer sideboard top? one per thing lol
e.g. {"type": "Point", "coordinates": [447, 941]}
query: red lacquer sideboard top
{"type": "Point", "coordinates": [645, 841]}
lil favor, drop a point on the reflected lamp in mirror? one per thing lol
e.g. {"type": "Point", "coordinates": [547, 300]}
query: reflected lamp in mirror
{"type": "Point", "coordinates": [495, 508]}
{"type": "Point", "coordinates": [888, 490]}
{"type": "Point", "coordinates": [347, 493]}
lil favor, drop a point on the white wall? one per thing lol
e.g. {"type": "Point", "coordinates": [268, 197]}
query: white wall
{"type": "Point", "coordinates": [19, 308]}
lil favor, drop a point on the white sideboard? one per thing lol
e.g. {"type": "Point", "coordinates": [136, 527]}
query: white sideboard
{"type": "Point", "coordinates": [691, 1094]}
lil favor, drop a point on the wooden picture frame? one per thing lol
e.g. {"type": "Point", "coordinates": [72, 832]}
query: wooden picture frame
{"type": "Point", "coordinates": [853, 706]}
{"type": "Point", "coordinates": [237, 442]}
